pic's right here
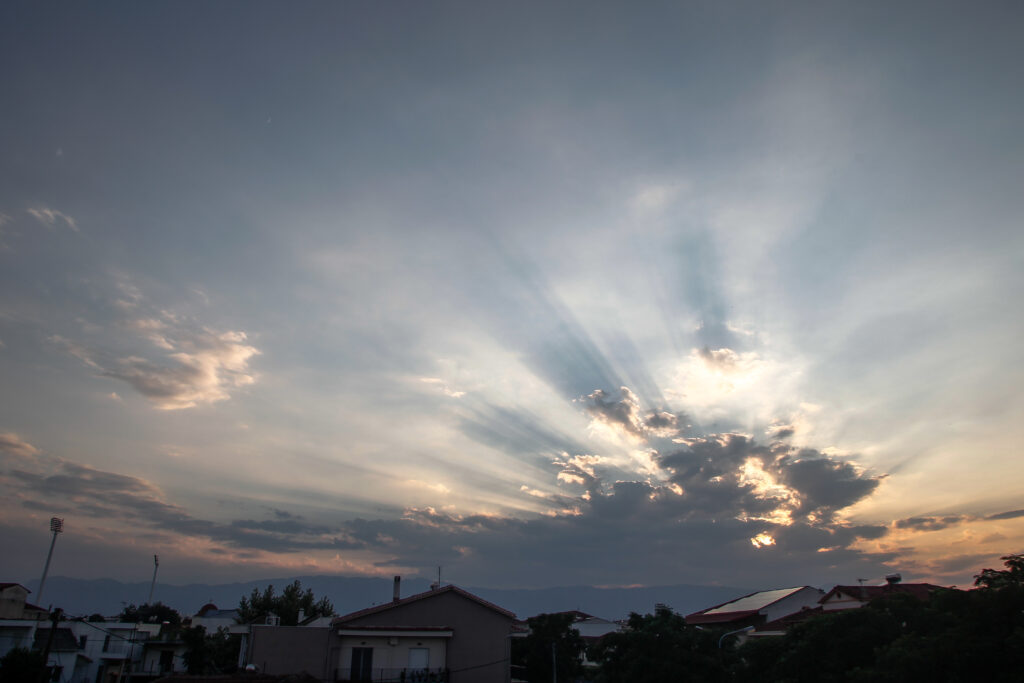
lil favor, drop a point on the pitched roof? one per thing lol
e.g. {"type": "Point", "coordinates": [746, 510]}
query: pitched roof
{"type": "Point", "coordinates": [6, 585]}
{"type": "Point", "coordinates": [869, 593]}
{"type": "Point", "coordinates": [742, 607]}
{"type": "Point", "coordinates": [423, 596]}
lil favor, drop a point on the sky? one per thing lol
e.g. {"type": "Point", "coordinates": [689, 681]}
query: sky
{"type": "Point", "coordinates": [540, 293]}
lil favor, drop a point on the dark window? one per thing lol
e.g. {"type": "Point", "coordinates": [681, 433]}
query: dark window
{"type": "Point", "coordinates": [166, 661]}
{"type": "Point", "coordinates": [55, 672]}
{"type": "Point", "coordinates": [362, 664]}
{"type": "Point", "coordinates": [106, 644]}
{"type": "Point", "coordinates": [82, 640]}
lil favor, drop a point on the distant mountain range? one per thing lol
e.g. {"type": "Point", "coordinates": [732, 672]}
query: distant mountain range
{"type": "Point", "coordinates": [107, 596]}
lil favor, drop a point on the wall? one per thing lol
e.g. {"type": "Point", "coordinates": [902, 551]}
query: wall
{"type": "Point", "coordinates": [391, 658]}
{"type": "Point", "coordinates": [791, 604]}
{"type": "Point", "coordinates": [479, 649]}
{"type": "Point", "coordinates": [291, 650]}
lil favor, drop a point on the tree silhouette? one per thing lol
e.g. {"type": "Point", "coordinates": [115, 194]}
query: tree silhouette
{"type": "Point", "coordinates": [259, 605]}
{"type": "Point", "coordinates": [1013, 575]}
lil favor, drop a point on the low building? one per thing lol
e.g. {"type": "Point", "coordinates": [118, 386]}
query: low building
{"type": "Point", "coordinates": [14, 603]}
{"type": "Point", "coordinates": [852, 597]}
{"type": "Point", "coordinates": [758, 609]}
{"type": "Point", "coordinates": [446, 632]}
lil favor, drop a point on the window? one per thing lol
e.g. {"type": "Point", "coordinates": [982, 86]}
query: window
{"type": "Point", "coordinates": [419, 658]}
{"type": "Point", "coordinates": [82, 640]}
{"type": "Point", "coordinates": [166, 661]}
{"type": "Point", "coordinates": [362, 664]}
{"type": "Point", "coordinates": [106, 644]}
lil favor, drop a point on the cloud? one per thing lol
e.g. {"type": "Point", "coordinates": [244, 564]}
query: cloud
{"type": "Point", "coordinates": [12, 444]}
{"type": "Point", "coordinates": [724, 360]}
{"type": "Point", "coordinates": [202, 366]}
{"type": "Point", "coordinates": [1011, 514]}
{"type": "Point", "coordinates": [621, 414]}
{"type": "Point", "coordinates": [51, 217]}
{"type": "Point", "coordinates": [118, 499]}
{"type": "Point", "coordinates": [624, 415]}
{"type": "Point", "coordinates": [933, 523]}
{"type": "Point", "coordinates": [203, 370]}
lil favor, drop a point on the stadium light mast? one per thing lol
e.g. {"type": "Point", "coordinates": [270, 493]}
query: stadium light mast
{"type": "Point", "coordinates": [156, 565]}
{"type": "Point", "coordinates": [56, 526]}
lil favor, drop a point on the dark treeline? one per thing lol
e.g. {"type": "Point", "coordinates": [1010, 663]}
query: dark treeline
{"type": "Point", "coordinates": [973, 635]}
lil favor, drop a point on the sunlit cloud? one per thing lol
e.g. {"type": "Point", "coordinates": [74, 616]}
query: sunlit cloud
{"type": "Point", "coordinates": [52, 217]}
{"type": "Point", "coordinates": [12, 444]}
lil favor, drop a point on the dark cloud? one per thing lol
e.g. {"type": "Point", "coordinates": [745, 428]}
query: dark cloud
{"type": "Point", "coordinates": [86, 491]}
{"type": "Point", "coordinates": [622, 413]}
{"type": "Point", "coordinates": [930, 523]}
{"type": "Point", "coordinates": [825, 483]}
{"type": "Point", "coordinates": [1011, 514]}
{"type": "Point", "coordinates": [661, 423]}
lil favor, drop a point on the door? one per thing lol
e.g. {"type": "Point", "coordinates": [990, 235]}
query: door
{"type": "Point", "coordinates": [362, 664]}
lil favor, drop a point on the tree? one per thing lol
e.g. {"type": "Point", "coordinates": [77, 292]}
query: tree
{"type": "Point", "coordinates": [21, 664]}
{"type": "Point", "coordinates": [1013, 575]}
{"type": "Point", "coordinates": [660, 647]}
{"type": "Point", "coordinates": [214, 653]}
{"type": "Point", "coordinates": [552, 645]}
{"type": "Point", "coordinates": [286, 606]}
{"type": "Point", "coordinates": [157, 613]}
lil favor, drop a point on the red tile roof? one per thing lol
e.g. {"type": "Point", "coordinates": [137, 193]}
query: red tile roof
{"type": "Point", "coordinates": [422, 596]}
{"type": "Point", "coordinates": [869, 593]}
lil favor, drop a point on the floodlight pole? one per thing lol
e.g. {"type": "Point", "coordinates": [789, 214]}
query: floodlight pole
{"type": "Point", "coordinates": [156, 565]}
{"type": "Point", "coordinates": [56, 526]}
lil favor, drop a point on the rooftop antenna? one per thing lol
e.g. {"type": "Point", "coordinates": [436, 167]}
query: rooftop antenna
{"type": "Point", "coordinates": [863, 593]}
{"type": "Point", "coordinates": [156, 565]}
{"type": "Point", "coordinates": [57, 527]}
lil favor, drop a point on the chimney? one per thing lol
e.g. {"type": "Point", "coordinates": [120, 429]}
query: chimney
{"type": "Point", "coordinates": [396, 596]}
{"type": "Point", "coordinates": [893, 579]}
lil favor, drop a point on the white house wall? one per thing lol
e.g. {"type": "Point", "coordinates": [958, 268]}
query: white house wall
{"type": "Point", "coordinates": [805, 597]}
{"type": "Point", "coordinates": [391, 657]}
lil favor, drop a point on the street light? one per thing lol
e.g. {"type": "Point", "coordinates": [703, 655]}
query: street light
{"type": "Point", "coordinates": [56, 526]}
{"type": "Point", "coordinates": [745, 629]}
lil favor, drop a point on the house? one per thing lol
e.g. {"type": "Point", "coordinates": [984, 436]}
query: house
{"type": "Point", "coordinates": [14, 603]}
{"type": "Point", "coordinates": [758, 609]}
{"type": "Point", "coordinates": [66, 660]}
{"type": "Point", "coordinates": [852, 597]}
{"type": "Point", "coordinates": [162, 651]}
{"type": "Point", "coordinates": [212, 618]}
{"type": "Point", "coordinates": [446, 632]}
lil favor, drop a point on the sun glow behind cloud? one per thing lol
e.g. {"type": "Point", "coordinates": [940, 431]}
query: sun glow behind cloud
{"type": "Point", "coordinates": [488, 314]}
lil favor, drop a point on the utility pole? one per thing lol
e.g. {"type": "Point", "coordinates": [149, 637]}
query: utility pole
{"type": "Point", "coordinates": [554, 665]}
{"type": "Point", "coordinates": [56, 526]}
{"type": "Point", "coordinates": [54, 618]}
{"type": "Point", "coordinates": [156, 565]}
